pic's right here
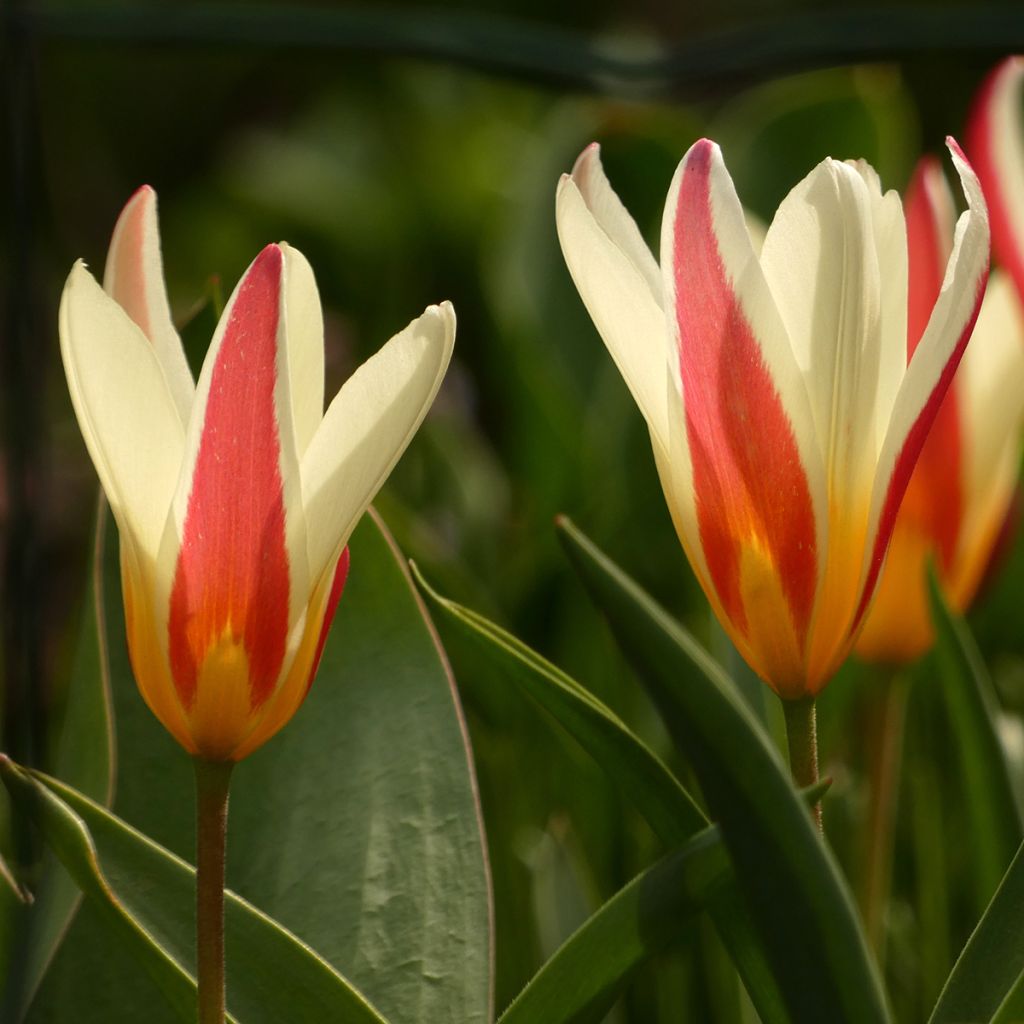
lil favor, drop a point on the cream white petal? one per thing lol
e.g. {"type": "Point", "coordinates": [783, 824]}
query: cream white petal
{"type": "Point", "coordinates": [613, 218]}
{"type": "Point", "coordinates": [124, 406]}
{"type": "Point", "coordinates": [305, 342]}
{"type": "Point", "coordinates": [367, 427]}
{"type": "Point", "coordinates": [615, 286]}
{"type": "Point", "coordinates": [820, 260]}
{"type": "Point", "coordinates": [134, 277]}
{"type": "Point", "coordinates": [990, 386]}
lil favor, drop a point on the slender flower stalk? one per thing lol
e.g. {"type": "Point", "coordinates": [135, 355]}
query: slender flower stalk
{"type": "Point", "coordinates": [784, 415]}
{"type": "Point", "coordinates": [234, 496]}
{"type": "Point", "coordinates": [213, 779]}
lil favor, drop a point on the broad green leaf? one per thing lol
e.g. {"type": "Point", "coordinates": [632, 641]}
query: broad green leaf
{"type": "Point", "coordinates": [357, 827]}
{"type": "Point", "coordinates": [643, 778]}
{"type": "Point", "coordinates": [582, 980]}
{"type": "Point", "coordinates": [146, 895]}
{"type": "Point", "coordinates": [84, 758]}
{"type": "Point", "coordinates": [799, 903]}
{"type": "Point", "coordinates": [991, 965]}
{"type": "Point", "coordinates": [992, 808]}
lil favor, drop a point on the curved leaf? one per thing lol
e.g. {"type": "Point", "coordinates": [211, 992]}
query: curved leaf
{"type": "Point", "coordinates": [146, 894]}
{"type": "Point", "coordinates": [580, 982]}
{"type": "Point", "coordinates": [642, 775]}
{"type": "Point", "coordinates": [799, 903]}
{"type": "Point", "coordinates": [644, 779]}
{"type": "Point", "coordinates": [991, 965]}
{"type": "Point", "coordinates": [992, 808]}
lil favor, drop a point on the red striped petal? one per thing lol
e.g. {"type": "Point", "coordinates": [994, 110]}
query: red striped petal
{"type": "Point", "coordinates": [907, 459]}
{"type": "Point", "coordinates": [934, 499]}
{"type": "Point", "coordinates": [1000, 179]}
{"type": "Point", "coordinates": [750, 485]}
{"type": "Point", "coordinates": [231, 582]}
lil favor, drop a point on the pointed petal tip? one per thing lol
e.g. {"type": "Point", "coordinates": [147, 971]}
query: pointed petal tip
{"type": "Point", "coordinates": [590, 153]}
{"type": "Point", "coordinates": [271, 256]}
{"type": "Point", "coordinates": [954, 147]}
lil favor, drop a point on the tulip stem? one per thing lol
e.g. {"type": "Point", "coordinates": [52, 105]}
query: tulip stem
{"type": "Point", "coordinates": [802, 734]}
{"type": "Point", "coordinates": [213, 779]}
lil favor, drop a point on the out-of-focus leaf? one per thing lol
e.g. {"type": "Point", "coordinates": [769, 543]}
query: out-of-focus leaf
{"type": "Point", "coordinates": [643, 778]}
{"type": "Point", "coordinates": [582, 980]}
{"type": "Point", "coordinates": [995, 818]}
{"type": "Point", "coordinates": [991, 965]}
{"type": "Point", "coordinates": [357, 827]}
{"type": "Point", "coordinates": [84, 758]}
{"type": "Point", "coordinates": [146, 896]}
{"type": "Point", "coordinates": [800, 905]}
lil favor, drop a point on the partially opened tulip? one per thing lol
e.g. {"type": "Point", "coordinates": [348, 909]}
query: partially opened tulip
{"type": "Point", "coordinates": [784, 416]}
{"type": "Point", "coordinates": [966, 476]}
{"type": "Point", "coordinates": [234, 497]}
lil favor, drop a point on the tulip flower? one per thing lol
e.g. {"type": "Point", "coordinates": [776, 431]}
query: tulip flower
{"type": "Point", "coordinates": [234, 497]}
{"type": "Point", "coordinates": [966, 476]}
{"type": "Point", "coordinates": [784, 415]}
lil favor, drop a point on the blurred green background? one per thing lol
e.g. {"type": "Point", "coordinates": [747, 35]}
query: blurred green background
{"type": "Point", "coordinates": [412, 154]}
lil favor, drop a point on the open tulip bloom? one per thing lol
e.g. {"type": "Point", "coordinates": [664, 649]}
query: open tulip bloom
{"type": "Point", "coordinates": [234, 498]}
{"type": "Point", "coordinates": [966, 476]}
{"type": "Point", "coordinates": [784, 415]}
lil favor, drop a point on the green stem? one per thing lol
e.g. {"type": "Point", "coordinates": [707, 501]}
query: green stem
{"type": "Point", "coordinates": [213, 779]}
{"type": "Point", "coordinates": [802, 735]}
{"type": "Point", "coordinates": [887, 714]}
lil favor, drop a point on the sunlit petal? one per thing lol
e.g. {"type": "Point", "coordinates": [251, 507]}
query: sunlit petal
{"type": "Point", "coordinates": [126, 412]}
{"type": "Point", "coordinates": [366, 429]}
{"type": "Point", "coordinates": [134, 278]}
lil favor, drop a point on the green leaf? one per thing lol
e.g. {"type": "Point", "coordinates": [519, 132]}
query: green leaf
{"type": "Point", "coordinates": [146, 896]}
{"type": "Point", "coordinates": [991, 965]}
{"type": "Point", "coordinates": [581, 981]}
{"type": "Point", "coordinates": [86, 765]}
{"type": "Point", "coordinates": [357, 827]}
{"type": "Point", "coordinates": [644, 779]}
{"type": "Point", "coordinates": [798, 901]}
{"type": "Point", "coordinates": [995, 818]}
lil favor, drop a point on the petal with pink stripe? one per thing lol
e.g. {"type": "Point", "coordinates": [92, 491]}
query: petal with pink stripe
{"type": "Point", "coordinates": [756, 468]}
{"type": "Point", "coordinates": [996, 148]}
{"type": "Point", "coordinates": [134, 278]}
{"type": "Point", "coordinates": [233, 594]}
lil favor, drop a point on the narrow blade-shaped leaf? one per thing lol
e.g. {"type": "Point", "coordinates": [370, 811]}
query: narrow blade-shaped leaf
{"type": "Point", "coordinates": [145, 896]}
{"type": "Point", "coordinates": [581, 981]}
{"type": "Point", "coordinates": [644, 778]}
{"type": "Point", "coordinates": [991, 965]}
{"type": "Point", "coordinates": [993, 811]}
{"type": "Point", "coordinates": [799, 902]}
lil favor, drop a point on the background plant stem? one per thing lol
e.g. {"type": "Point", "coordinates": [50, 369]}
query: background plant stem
{"type": "Point", "coordinates": [802, 736]}
{"type": "Point", "coordinates": [887, 715]}
{"type": "Point", "coordinates": [213, 779]}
